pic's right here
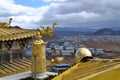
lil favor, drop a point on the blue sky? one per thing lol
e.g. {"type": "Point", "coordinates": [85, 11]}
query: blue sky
{"type": "Point", "coordinates": [32, 3]}
{"type": "Point", "coordinates": [66, 13]}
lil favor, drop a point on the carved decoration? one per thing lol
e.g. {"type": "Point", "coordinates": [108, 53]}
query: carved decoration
{"type": "Point", "coordinates": [6, 24]}
{"type": "Point", "coordinates": [47, 31]}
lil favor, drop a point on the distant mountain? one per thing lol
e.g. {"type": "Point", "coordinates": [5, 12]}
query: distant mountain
{"type": "Point", "coordinates": [14, 27]}
{"type": "Point", "coordinates": [107, 31]}
{"type": "Point", "coordinates": [73, 31]}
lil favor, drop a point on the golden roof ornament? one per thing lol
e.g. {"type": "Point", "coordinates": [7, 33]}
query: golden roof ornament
{"type": "Point", "coordinates": [38, 37]}
{"type": "Point", "coordinates": [6, 24]}
{"type": "Point", "coordinates": [81, 53]}
{"type": "Point", "coordinates": [47, 31]}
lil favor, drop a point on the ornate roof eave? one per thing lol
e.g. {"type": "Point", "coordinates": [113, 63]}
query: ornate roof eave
{"type": "Point", "coordinates": [7, 34]}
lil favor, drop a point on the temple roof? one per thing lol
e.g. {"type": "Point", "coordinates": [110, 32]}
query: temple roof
{"type": "Point", "coordinates": [13, 33]}
{"type": "Point", "coordinates": [92, 67]}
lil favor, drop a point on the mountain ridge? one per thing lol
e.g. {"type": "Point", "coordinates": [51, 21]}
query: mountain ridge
{"type": "Point", "coordinates": [107, 31]}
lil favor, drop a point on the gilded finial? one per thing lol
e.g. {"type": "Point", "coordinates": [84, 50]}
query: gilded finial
{"type": "Point", "coordinates": [38, 37]}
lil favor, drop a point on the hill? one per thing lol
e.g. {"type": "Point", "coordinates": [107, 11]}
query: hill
{"type": "Point", "coordinates": [107, 31]}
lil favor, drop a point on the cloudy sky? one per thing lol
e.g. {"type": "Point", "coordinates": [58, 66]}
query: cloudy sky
{"type": "Point", "coordinates": [67, 13]}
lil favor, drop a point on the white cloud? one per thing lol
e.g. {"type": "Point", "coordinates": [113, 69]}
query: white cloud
{"type": "Point", "coordinates": [66, 13]}
{"type": "Point", "coordinates": [78, 17]}
{"type": "Point", "coordinates": [54, 0]}
{"type": "Point", "coordinates": [21, 14]}
{"type": "Point", "coordinates": [88, 12]}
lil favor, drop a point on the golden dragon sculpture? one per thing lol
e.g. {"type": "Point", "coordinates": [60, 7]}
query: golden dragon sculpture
{"type": "Point", "coordinates": [47, 31]}
{"type": "Point", "coordinates": [6, 24]}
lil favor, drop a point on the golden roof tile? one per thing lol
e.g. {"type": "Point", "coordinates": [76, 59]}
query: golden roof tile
{"type": "Point", "coordinates": [15, 33]}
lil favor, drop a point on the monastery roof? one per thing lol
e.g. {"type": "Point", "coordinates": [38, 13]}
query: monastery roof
{"type": "Point", "coordinates": [81, 70]}
{"type": "Point", "coordinates": [11, 33]}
